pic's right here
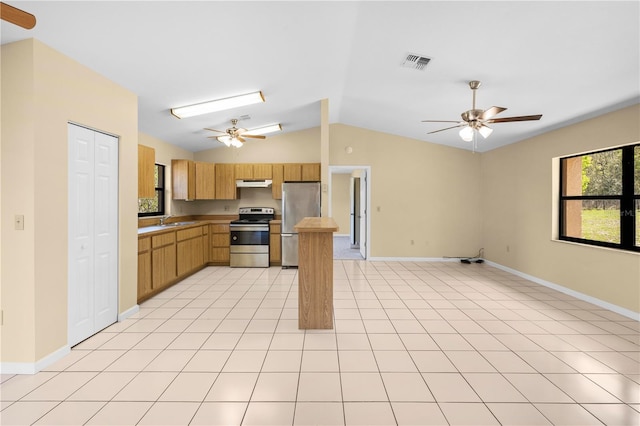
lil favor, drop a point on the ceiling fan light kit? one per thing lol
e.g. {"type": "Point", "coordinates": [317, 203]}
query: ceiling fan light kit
{"type": "Point", "coordinates": [466, 133]}
{"type": "Point", "coordinates": [235, 136]}
{"type": "Point", "coordinates": [218, 105]}
{"type": "Point", "coordinates": [230, 141]}
{"type": "Point", "coordinates": [477, 119]}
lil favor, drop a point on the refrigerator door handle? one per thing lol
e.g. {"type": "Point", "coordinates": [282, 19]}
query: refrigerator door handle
{"type": "Point", "coordinates": [284, 195]}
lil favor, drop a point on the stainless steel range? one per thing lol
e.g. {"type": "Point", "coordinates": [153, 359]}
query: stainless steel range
{"type": "Point", "coordinates": [250, 238]}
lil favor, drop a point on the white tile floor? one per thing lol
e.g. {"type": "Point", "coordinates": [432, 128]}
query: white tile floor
{"type": "Point", "coordinates": [413, 344]}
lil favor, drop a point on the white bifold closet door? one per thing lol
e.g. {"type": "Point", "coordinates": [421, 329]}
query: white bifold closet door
{"type": "Point", "coordinates": [93, 232]}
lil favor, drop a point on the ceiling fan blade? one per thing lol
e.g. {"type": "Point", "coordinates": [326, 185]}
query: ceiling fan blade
{"type": "Point", "coordinates": [240, 138]}
{"type": "Point", "coordinates": [244, 135]}
{"type": "Point", "coordinates": [494, 110]}
{"type": "Point", "coordinates": [447, 128]}
{"type": "Point", "coordinates": [440, 121]}
{"type": "Point", "coordinates": [510, 119]}
{"type": "Point", "coordinates": [214, 130]}
{"type": "Point", "coordinates": [17, 16]}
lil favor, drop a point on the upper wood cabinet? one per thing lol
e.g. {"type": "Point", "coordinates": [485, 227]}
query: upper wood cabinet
{"type": "Point", "coordinates": [253, 171]}
{"type": "Point", "coordinates": [262, 171]}
{"type": "Point", "coordinates": [183, 179]}
{"type": "Point", "coordinates": [243, 171]}
{"type": "Point", "coordinates": [196, 180]}
{"type": "Point", "coordinates": [205, 180]}
{"type": "Point", "coordinates": [226, 182]}
{"type": "Point", "coordinates": [278, 178]}
{"type": "Point", "coordinates": [310, 172]}
{"type": "Point", "coordinates": [292, 172]}
{"type": "Point", "coordinates": [301, 172]}
{"type": "Point", "coordinates": [192, 180]}
{"type": "Point", "coordinates": [146, 172]}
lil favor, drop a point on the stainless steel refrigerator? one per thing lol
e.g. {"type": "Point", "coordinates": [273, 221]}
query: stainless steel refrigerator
{"type": "Point", "coordinates": [299, 200]}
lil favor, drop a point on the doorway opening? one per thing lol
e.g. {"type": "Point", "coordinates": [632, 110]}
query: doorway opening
{"type": "Point", "coordinates": [349, 202]}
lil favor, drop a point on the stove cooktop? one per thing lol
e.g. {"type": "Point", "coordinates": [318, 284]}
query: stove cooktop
{"type": "Point", "coordinates": [254, 215]}
{"type": "Point", "coordinates": [250, 221]}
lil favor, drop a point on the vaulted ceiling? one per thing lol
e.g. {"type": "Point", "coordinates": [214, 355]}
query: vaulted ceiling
{"type": "Point", "coordinates": [566, 60]}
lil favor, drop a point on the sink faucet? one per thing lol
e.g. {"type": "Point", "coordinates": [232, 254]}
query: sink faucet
{"type": "Point", "coordinates": [164, 218]}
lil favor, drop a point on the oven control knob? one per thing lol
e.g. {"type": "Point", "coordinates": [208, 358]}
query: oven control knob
{"type": "Point", "coordinates": [235, 238]}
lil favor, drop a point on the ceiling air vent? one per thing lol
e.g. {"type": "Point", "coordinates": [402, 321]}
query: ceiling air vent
{"type": "Point", "coordinates": [416, 62]}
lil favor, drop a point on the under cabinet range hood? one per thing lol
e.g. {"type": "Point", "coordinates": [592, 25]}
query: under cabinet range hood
{"type": "Point", "coordinates": [253, 183]}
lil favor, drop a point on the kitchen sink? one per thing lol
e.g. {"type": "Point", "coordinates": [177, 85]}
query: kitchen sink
{"type": "Point", "coordinates": [178, 224]}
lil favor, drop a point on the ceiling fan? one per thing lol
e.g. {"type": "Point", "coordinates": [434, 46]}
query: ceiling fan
{"type": "Point", "coordinates": [234, 136]}
{"type": "Point", "coordinates": [17, 16]}
{"type": "Point", "coordinates": [477, 119]}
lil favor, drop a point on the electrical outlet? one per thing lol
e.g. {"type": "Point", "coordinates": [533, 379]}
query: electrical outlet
{"type": "Point", "coordinates": [507, 249]}
{"type": "Point", "coordinates": [412, 242]}
{"type": "Point", "coordinates": [19, 222]}
{"type": "Point", "coordinates": [226, 208]}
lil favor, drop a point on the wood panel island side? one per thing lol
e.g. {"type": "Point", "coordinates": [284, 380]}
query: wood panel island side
{"type": "Point", "coordinates": [315, 272]}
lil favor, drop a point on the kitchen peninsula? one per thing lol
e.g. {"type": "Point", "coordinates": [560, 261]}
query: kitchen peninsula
{"type": "Point", "coordinates": [315, 272]}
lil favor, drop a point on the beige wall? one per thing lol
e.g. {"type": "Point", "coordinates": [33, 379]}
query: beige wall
{"type": "Point", "coordinates": [519, 210]}
{"type": "Point", "coordinates": [42, 91]}
{"type": "Point", "coordinates": [341, 201]}
{"type": "Point", "coordinates": [436, 186]}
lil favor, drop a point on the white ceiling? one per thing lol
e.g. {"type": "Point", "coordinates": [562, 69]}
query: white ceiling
{"type": "Point", "coordinates": [566, 60]}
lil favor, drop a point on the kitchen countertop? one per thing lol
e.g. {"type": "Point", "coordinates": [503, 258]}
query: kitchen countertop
{"type": "Point", "coordinates": [169, 227]}
{"type": "Point", "coordinates": [316, 224]}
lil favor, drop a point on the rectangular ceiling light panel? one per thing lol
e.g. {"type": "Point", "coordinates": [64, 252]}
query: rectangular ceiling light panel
{"type": "Point", "coordinates": [266, 129]}
{"type": "Point", "coordinates": [218, 105]}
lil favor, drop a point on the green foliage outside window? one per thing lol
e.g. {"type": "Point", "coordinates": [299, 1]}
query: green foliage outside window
{"type": "Point", "coordinates": [597, 212]}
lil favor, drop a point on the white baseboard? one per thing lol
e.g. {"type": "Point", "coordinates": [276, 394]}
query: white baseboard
{"type": "Point", "coordinates": [126, 314]}
{"type": "Point", "coordinates": [584, 297]}
{"type": "Point", "coordinates": [413, 259]}
{"type": "Point", "coordinates": [581, 296]}
{"type": "Point", "coordinates": [34, 367]}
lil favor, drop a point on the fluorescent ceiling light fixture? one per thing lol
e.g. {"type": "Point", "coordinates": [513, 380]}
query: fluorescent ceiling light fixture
{"type": "Point", "coordinates": [218, 105]}
{"type": "Point", "coordinates": [266, 129]}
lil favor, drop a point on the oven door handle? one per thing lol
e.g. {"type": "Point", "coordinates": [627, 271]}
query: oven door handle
{"type": "Point", "coordinates": [258, 228]}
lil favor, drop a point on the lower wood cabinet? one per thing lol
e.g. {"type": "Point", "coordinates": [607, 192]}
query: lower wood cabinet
{"type": "Point", "coordinates": [144, 267]}
{"type": "Point", "coordinates": [190, 250]}
{"type": "Point", "coordinates": [219, 237]}
{"type": "Point", "coordinates": [166, 258]}
{"type": "Point", "coordinates": [163, 260]}
{"type": "Point", "coordinates": [275, 251]}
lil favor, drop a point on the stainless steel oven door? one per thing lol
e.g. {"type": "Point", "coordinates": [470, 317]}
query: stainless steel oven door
{"type": "Point", "coordinates": [249, 235]}
{"type": "Point", "coordinates": [249, 246]}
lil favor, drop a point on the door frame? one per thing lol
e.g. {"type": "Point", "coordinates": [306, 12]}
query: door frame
{"type": "Point", "coordinates": [367, 175]}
